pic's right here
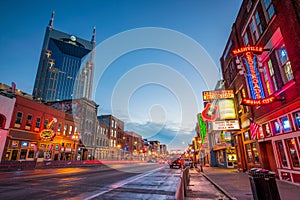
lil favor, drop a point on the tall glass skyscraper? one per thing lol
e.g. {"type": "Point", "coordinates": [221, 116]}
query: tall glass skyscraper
{"type": "Point", "coordinates": [66, 66]}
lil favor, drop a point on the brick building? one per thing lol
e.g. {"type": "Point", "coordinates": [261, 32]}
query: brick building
{"type": "Point", "coordinates": [266, 81]}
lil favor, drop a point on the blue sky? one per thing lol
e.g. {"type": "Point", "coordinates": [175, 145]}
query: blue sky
{"type": "Point", "coordinates": [163, 51]}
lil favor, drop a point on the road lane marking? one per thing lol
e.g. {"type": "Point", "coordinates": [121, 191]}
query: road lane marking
{"type": "Point", "coordinates": [123, 182]}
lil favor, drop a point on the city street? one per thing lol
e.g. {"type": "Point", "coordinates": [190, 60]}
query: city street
{"type": "Point", "coordinates": [118, 181]}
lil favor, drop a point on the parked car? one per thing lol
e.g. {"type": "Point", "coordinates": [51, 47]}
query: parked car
{"type": "Point", "coordinates": [176, 163]}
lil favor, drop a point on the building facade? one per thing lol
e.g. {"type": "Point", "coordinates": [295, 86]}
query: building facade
{"type": "Point", "coordinates": [133, 145]}
{"type": "Point", "coordinates": [265, 78]}
{"type": "Point", "coordinates": [115, 135]}
{"type": "Point", "coordinates": [66, 66]}
{"type": "Point", "coordinates": [39, 132]}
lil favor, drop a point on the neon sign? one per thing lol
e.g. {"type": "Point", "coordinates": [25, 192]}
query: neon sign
{"type": "Point", "coordinates": [250, 60]}
{"type": "Point", "coordinates": [48, 133]}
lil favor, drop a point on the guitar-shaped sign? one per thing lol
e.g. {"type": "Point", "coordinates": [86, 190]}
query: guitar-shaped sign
{"type": "Point", "coordinates": [210, 111]}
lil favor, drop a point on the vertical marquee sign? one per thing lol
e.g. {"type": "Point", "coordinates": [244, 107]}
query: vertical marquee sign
{"type": "Point", "coordinates": [249, 57]}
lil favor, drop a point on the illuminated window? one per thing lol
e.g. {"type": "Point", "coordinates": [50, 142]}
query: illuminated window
{"type": "Point", "coordinates": [246, 136]}
{"type": "Point", "coordinates": [65, 129]}
{"type": "Point", "coordinates": [269, 8]}
{"type": "Point", "coordinates": [285, 64]}
{"type": "Point", "coordinates": [249, 153]}
{"type": "Point", "coordinates": [255, 153]}
{"type": "Point", "coordinates": [285, 124]}
{"type": "Point", "coordinates": [267, 130]}
{"type": "Point", "coordinates": [267, 83]}
{"type": "Point", "coordinates": [59, 127]}
{"type": "Point", "coordinates": [293, 152]}
{"type": "Point", "coordinates": [272, 74]}
{"type": "Point", "coordinates": [275, 127]}
{"type": "Point", "coordinates": [282, 154]}
{"type": "Point", "coordinates": [70, 130]}
{"type": "Point", "coordinates": [297, 119]}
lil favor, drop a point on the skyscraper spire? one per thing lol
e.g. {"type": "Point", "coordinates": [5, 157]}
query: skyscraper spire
{"type": "Point", "coordinates": [94, 35]}
{"type": "Point", "coordinates": [50, 25]}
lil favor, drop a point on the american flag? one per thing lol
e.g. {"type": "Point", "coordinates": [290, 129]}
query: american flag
{"type": "Point", "coordinates": [253, 129]}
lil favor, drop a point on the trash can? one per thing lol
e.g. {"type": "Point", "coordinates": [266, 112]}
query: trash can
{"type": "Point", "coordinates": [263, 184]}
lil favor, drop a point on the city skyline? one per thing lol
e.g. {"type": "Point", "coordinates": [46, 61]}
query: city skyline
{"type": "Point", "coordinates": [156, 108]}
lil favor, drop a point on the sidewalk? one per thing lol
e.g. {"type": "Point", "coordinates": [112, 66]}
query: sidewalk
{"type": "Point", "coordinates": [234, 184]}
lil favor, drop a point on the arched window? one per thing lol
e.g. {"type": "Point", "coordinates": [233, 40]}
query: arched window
{"type": "Point", "coordinates": [2, 121]}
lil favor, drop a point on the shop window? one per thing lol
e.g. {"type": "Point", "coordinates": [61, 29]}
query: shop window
{"type": "Point", "coordinates": [31, 153]}
{"type": "Point", "coordinates": [38, 122]}
{"type": "Point", "coordinates": [255, 153]}
{"type": "Point", "coordinates": [291, 147]}
{"type": "Point", "coordinates": [282, 154]}
{"type": "Point", "coordinates": [221, 157]}
{"type": "Point", "coordinates": [246, 136]}
{"type": "Point", "coordinates": [23, 154]}
{"type": "Point", "coordinates": [249, 153]}
{"type": "Point", "coordinates": [18, 119]}
{"type": "Point", "coordinates": [285, 64]}
{"type": "Point", "coordinates": [267, 130]}
{"type": "Point", "coordinates": [286, 126]}
{"type": "Point", "coordinates": [296, 116]}
{"type": "Point", "coordinates": [275, 127]}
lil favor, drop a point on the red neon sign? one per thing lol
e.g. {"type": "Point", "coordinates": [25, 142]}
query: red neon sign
{"type": "Point", "coordinates": [248, 49]}
{"type": "Point", "coordinates": [253, 102]}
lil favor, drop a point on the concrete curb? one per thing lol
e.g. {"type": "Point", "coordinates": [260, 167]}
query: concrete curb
{"type": "Point", "coordinates": [218, 186]}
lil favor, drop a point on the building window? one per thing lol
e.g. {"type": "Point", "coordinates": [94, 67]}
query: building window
{"type": "Point", "coordinates": [19, 118]}
{"type": "Point", "coordinates": [297, 119]}
{"type": "Point", "coordinates": [70, 130]}
{"type": "Point", "coordinates": [2, 121]}
{"type": "Point", "coordinates": [246, 136]}
{"type": "Point", "coordinates": [46, 123]}
{"type": "Point", "coordinates": [282, 154]}
{"type": "Point", "coordinates": [38, 123]}
{"type": "Point", "coordinates": [285, 64]}
{"type": "Point", "coordinates": [267, 82]}
{"type": "Point", "coordinates": [267, 130]}
{"type": "Point", "coordinates": [275, 127]}
{"type": "Point", "coordinates": [272, 74]}
{"type": "Point", "coordinates": [246, 39]}
{"type": "Point", "coordinates": [59, 127]}
{"type": "Point", "coordinates": [269, 8]}
{"type": "Point", "coordinates": [255, 153]}
{"type": "Point", "coordinates": [293, 152]}
{"type": "Point", "coordinates": [258, 23]}
{"type": "Point", "coordinates": [285, 124]}
{"type": "Point", "coordinates": [254, 30]}
{"type": "Point", "coordinates": [29, 120]}
{"type": "Point", "coordinates": [249, 153]}
{"type": "Point", "coordinates": [65, 129]}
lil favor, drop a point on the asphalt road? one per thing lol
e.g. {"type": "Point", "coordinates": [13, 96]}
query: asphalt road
{"type": "Point", "coordinates": [101, 182]}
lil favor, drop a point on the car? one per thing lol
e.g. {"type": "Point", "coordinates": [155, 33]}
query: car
{"type": "Point", "coordinates": [176, 163]}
